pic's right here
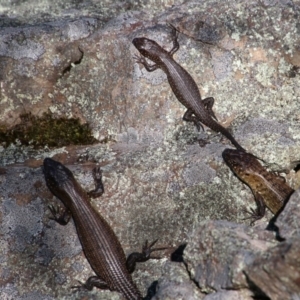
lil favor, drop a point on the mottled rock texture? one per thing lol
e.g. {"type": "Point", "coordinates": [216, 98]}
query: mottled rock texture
{"type": "Point", "coordinates": [75, 60]}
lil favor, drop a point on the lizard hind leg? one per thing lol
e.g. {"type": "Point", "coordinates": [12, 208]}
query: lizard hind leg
{"type": "Point", "coordinates": [208, 103]}
{"type": "Point", "coordinates": [190, 117]}
{"type": "Point", "coordinates": [90, 283]}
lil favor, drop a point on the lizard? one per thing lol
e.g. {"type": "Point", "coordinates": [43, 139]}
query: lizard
{"type": "Point", "coordinates": [269, 189]}
{"type": "Point", "coordinates": [182, 84]}
{"type": "Point", "coordinates": [99, 242]}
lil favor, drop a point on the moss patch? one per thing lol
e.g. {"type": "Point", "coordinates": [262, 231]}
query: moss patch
{"type": "Point", "coordinates": [46, 130]}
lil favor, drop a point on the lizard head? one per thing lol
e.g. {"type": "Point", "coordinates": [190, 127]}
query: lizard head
{"type": "Point", "coordinates": [243, 164]}
{"type": "Point", "coordinates": [57, 177]}
{"type": "Point", "coordinates": [148, 48]}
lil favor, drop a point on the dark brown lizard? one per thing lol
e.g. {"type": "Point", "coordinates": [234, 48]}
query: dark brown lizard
{"type": "Point", "coordinates": [183, 85]}
{"type": "Point", "coordinates": [269, 189]}
{"type": "Point", "coordinates": [99, 242]}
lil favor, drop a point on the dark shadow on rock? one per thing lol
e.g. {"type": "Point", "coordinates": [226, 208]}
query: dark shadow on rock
{"type": "Point", "coordinates": [177, 255]}
{"type": "Point", "coordinates": [151, 290]}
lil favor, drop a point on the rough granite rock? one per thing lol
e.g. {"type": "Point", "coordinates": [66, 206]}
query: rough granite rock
{"type": "Point", "coordinates": [218, 251]}
{"type": "Point", "coordinates": [175, 284]}
{"type": "Point", "coordinates": [226, 256]}
{"type": "Point", "coordinates": [75, 60]}
{"type": "Point", "coordinates": [277, 271]}
{"type": "Point", "coordinates": [288, 220]}
{"type": "Point", "coordinates": [243, 294]}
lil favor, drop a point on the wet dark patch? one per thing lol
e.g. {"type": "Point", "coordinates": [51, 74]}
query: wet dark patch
{"type": "Point", "coordinates": [47, 131]}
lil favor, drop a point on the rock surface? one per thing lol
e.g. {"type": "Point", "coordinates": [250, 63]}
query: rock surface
{"type": "Point", "coordinates": [75, 60]}
{"type": "Point", "coordinates": [175, 283]}
{"type": "Point", "coordinates": [218, 251]}
{"type": "Point", "coordinates": [277, 271]}
{"type": "Point", "coordinates": [287, 221]}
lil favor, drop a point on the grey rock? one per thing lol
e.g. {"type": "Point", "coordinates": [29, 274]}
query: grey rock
{"type": "Point", "coordinates": [242, 294]}
{"type": "Point", "coordinates": [75, 59]}
{"type": "Point", "coordinates": [176, 284]}
{"type": "Point", "coordinates": [218, 252]}
{"type": "Point", "coordinates": [288, 221]}
{"type": "Point", "coordinates": [276, 272]}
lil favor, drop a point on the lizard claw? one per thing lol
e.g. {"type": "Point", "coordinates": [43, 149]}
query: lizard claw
{"type": "Point", "coordinates": [54, 211]}
{"type": "Point", "coordinates": [139, 59]}
{"type": "Point", "coordinates": [79, 287]}
{"type": "Point", "coordinates": [199, 125]}
{"type": "Point", "coordinates": [147, 249]}
{"type": "Point", "coordinates": [253, 215]}
{"type": "Point", "coordinates": [174, 30]}
{"type": "Point", "coordinates": [61, 218]}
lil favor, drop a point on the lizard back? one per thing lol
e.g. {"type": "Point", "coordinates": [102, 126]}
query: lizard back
{"type": "Point", "coordinates": [99, 242]}
{"type": "Point", "coordinates": [270, 186]}
{"type": "Point", "coordinates": [183, 85]}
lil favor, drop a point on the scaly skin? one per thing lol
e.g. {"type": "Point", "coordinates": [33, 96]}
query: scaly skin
{"type": "Point", "coordinates": [99, 242]}
{"type": "Point", "coordinates": [269, 189]}
{"type": "Point", "coordinates": [182, 84]}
